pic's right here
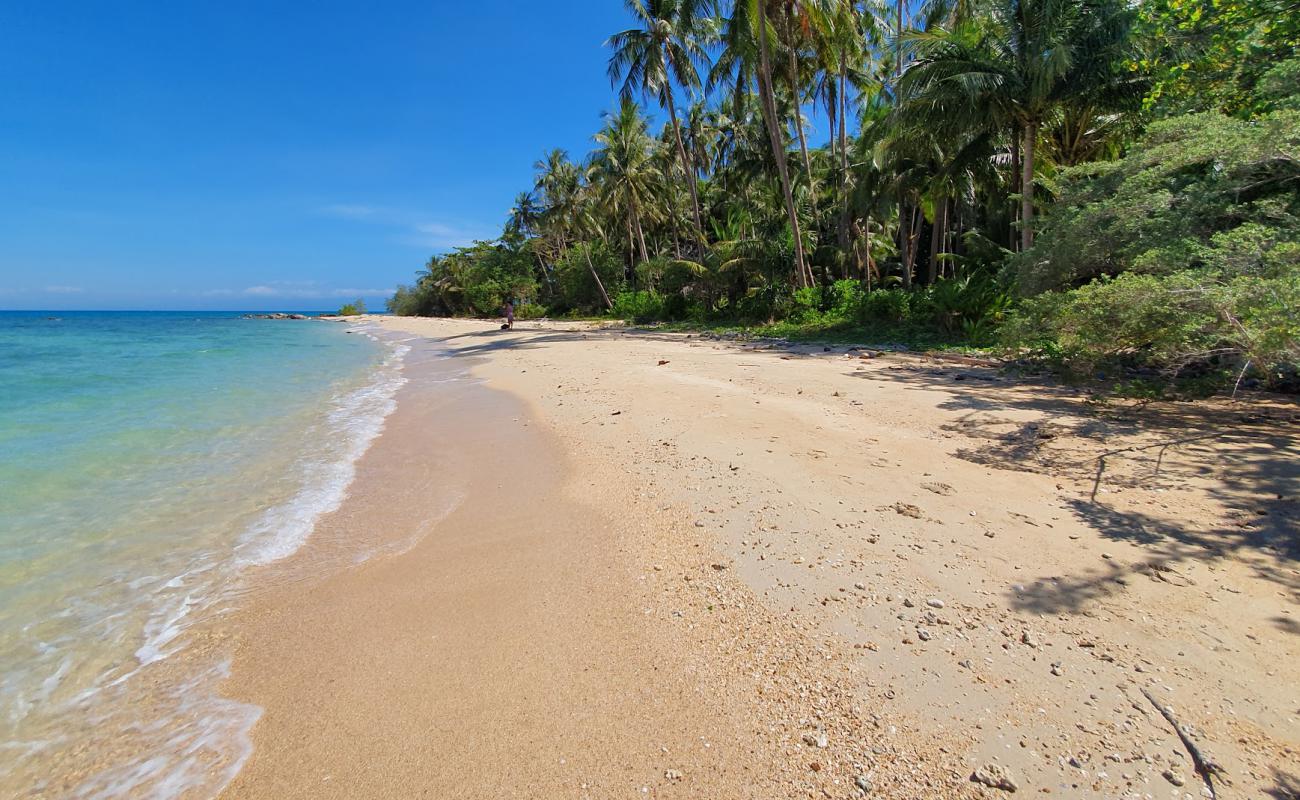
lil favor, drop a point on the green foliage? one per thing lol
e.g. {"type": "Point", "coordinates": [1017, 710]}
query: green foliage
{"type": "Point", "coordinates": [470, 281]}
{"type": "Point", "coordinates": [530, 311]}
{"type": "Point", "coordinates": [1010, 156]}
{"type": "Point", "coordinates": [638, 306]}
{"type": "Point", "coordinates": [354, 308]}
{"type": "Point", "coordinates": [576, 288]}
{"type": "Point", "coordinates": [1203, 190]}
{"type": "Point", "coordinates": [1214, 54]}
{"type": "Point", "coordinates": [1182, 257]}
{"type": "Point", "coordinates": [1187, 323]}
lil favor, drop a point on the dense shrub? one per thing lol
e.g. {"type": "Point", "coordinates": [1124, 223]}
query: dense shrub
{"type": "Point", "coordinates": [638, 306]}
{"type": "Point", "coordinates": [1198, 191]}
{"type": "Point", "coordinates": [357, 306]}
{"type": "Point", "coordinates": [1169, 323]}
{"type": "Point", "coordinates": [576, 288]}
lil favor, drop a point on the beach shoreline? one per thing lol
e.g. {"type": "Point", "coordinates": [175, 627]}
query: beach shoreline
{"type": "Point", "coordinates": [673, 566]}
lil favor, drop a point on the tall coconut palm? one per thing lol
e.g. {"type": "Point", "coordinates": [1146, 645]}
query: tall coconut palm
{"type": "Point", "coordinates": [746, 56]}
{"type": "Point", "coordinates": [558, 181]}
{"type": "Point", "coordinates": [667, 47]}
{"type": "Point", "coordinates": [845, 36]}
{"type": "Point", "coordinates": [524, 215]}
{"type": "Point", "coordinates": [1013, 67]}
{"type": "Point", "coordinates": [624, 163]}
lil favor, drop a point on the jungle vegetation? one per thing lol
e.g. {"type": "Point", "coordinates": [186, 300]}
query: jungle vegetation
{"type": "Point", "coordinates": [1097, 184]}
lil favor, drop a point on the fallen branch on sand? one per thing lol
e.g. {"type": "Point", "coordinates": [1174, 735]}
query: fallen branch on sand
{"type": "Point", "coordinates": [1205, 766]}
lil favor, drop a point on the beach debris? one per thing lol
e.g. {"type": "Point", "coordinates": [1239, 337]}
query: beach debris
{"type": "Point", "coordinates": [934, 602]}
{"type": "Point", "coordinates": [615, 413]}
{"type": "Point", "coordinates": [907, 510]}
{"type": "Point", "coordinates": [907, 602]}
{"type": "Point", "coordinates": [672, 775]}
{"type": "Point", "coordinates": [923, 634]}
{"type": "Point", "coordinates": [816, 739]}
{"type": "Point", "coordinates": [1206, 767]}
{"type": "Point", "coordinates": [1173, 777]}
{"type": "Point", "coordinates": [1027, 638]}
{"type": "Point", "coordinates": [860, 586]}
{"type": "Point", "coordinates": [995, 776]}
{"type": "Point", "coordinates": [663, 361]}
{"type": "Point", "coordinates": [863, 783]}
{"type": "Point", "coordinates": [718, 567]}
{"type": "Point", "coordinates": [938, 488]}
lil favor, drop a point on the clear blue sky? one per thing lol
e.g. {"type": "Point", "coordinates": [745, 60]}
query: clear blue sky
{"type": "Point", "coordinates": [270, 154]}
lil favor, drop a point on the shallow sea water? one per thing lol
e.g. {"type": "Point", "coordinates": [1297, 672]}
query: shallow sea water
{"type": "Point", "coordinates": [148, 463]}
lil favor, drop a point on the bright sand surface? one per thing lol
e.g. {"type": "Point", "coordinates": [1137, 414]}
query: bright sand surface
{"type": "Point", "coordinates": [630, 564]}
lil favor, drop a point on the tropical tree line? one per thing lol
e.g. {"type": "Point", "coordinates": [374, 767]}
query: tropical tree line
{"type": "Point", "coordinates": [1090, 181]}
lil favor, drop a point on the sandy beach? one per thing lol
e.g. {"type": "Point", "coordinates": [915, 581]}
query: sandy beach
{"type": "Point", "coordinates": [617, 563]}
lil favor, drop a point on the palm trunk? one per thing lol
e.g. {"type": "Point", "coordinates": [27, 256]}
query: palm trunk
{"type": "Point", "coordinates": [774, 134]}
{"type": "Point", "coordinates": [599, 285]}
{"type": "Point", "coordinates": [803, 139]}
{"type": "Point", "coordinates": [640, 233]}
{"type": "Point", "coordinates": [844, 155]}
{"type": "Point", "coordinates": [904, 242]}
{"type": "Point", "coordinates": [793, 68]}
{"type": "Point", "coordinates": [686, 167]}
{"type": "Point", "coordinates": [631, 243]}
{"type": "Point", "coordinates": [932, 269]}
{"type": "Point", "coordinates": [871, 265]}
{"type": "Point", "coordinates": [1014, 180]}
{"type": "Point", "coordinates": [898, 48]}
{"type": "Point", "coordinates": [1027, 189]}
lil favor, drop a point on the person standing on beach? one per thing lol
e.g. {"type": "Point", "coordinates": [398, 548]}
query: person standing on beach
{"type": "Point", "coordinates": [509, 312]}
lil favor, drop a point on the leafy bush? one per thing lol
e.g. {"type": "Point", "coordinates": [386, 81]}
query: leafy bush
{"type": "Point", "coordinates": [475, 280]}
{"type": "Point", "coordinates": [1196, 192]}
{"type": "Point", "coordinates": [354, 308]}
{"type": "Point", "coordinates": [530, 311]}
{"type": "Point", "coordinates": [639, 307]}
{"type": "Point", "coordinates": [884, 305]}
{"type": "Point", "coordinates": [1181, 257]}
{"type": "Point", "coordinates": [1184, 322]}
{"type": "Point", "coordinates": [974, 304]}
{"type": "Point", "coordinates": [575, 286]}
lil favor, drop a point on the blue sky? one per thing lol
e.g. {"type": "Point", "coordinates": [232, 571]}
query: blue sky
{"type": "Point", "coordinates": [254, 155]}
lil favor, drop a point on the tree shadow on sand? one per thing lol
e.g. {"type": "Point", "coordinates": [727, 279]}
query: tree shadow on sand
{"type": "Point", "coordinates": [1244, 455]}
{"type": "Point", "coordinates": [1286, 786]}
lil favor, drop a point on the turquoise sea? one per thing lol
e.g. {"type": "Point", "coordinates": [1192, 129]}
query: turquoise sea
{"type": "Point", "coordinates": [149, 462]}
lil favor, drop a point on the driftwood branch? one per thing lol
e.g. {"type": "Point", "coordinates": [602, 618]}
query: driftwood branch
{"type": "Point", "coordinates": [1205, 766]}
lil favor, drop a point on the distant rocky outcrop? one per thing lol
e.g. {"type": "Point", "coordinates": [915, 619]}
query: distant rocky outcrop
{"type": "Point", "coordinates": [276, 315]}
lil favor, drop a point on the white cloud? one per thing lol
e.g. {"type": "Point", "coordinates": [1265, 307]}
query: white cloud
{"type": "Point", "coordinates": [303, 290]}
{"type": "Point", "coordinates": [349, 211]}
{"type": "Point", "coordinates": [420, 230]}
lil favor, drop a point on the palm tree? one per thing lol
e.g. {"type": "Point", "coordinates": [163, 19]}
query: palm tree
{"type": "Point", "coordinates": [624, 164]}
{"type": "Point", "coordinates": [1013, 67]}
{"type": "Point", "coordinates": [667, 47]}
{"type": "Point", "coordinates": [558, 181]}
{"type": "Point", "coordinates": [746, 56]}
{"type": "Point", "coordinates": [845, 35]}
{"type": "Point", "coordinates": [524, 215]}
